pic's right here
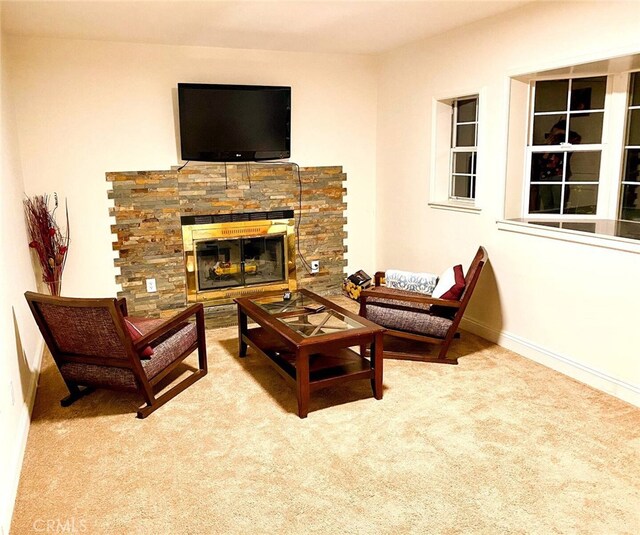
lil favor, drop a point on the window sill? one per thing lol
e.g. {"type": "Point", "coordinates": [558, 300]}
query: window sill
{"type": "Point", "coordinates": [609, 234]}
{"type": "Point", "coordinates": [455, 207]}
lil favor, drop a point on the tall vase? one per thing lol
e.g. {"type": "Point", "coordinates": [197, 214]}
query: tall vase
{"type": "Point", "coordinates": [54, 282]}
{"type": "Point", "coordinates": [54, 286]}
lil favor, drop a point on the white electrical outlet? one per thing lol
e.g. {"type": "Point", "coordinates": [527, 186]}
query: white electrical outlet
{"type": "Point", "coordinates": [315, 266]}
{"type": "Point", "coordinates": [151, 285]}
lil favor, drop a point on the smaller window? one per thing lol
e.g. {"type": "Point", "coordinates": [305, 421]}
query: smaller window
{"type": "Point", "coordinates": [464, 149]}
{"type": "Point", "coordinates": [630, 193]}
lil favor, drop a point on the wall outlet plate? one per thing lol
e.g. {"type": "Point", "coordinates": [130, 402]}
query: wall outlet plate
{"type": "Point", "coordinates": [151, 285]}
{"type": "Point", "coordinates": [315, 266]}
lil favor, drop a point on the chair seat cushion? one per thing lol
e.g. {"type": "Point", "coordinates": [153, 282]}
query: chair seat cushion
{"type": "Point", "coordinates": [169, 348]}
{"type": "Point", "coordinates": [411, 320]}
{"type": "Point", "coordinates": [166, 350]}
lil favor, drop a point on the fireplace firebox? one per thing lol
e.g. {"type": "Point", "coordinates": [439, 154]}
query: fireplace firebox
{"type": "Point", "coordinates": [231, 255]}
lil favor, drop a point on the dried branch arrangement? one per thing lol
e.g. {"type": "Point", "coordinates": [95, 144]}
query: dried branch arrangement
{"type": "Point", "coordinates": [47, 239]}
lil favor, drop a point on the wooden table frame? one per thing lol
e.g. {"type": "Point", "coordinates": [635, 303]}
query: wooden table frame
{"type": "Point", "coordinates": [312, 362]}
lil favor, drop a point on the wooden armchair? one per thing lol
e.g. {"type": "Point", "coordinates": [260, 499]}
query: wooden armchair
{"type": "Point", "coordinates": [94, 344]}
{"type": "Point", "coordinates": [417, 317]}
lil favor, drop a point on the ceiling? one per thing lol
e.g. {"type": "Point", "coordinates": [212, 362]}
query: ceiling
{"type": "Point", "coordinates": [347, 26]}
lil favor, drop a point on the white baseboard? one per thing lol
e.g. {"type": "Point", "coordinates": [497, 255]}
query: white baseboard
{"type": "Point", "coordinates": [10, 483]}
{"type": "Point", "coordinates": [576, 370]}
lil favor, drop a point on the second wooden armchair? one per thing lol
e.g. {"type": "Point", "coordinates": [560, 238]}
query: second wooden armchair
{"type": "Point", "coordinates": [418, 317]}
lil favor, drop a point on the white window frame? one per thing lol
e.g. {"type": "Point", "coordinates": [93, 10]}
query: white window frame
{"type": "Point", "coordinates": [473, 176]}
{"type": "Point", "coordinates": [625, 147]}
{"type": "Point", "coordinates": [441, 153]}
{"type": "Point", "coordinates": [611, 149]}
{"type": "Point", "coordinates": [516, 112]}
{"type": "Point", "coordinates": [562, 147]}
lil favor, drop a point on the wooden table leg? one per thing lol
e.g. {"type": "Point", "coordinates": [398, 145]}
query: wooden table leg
{"type": "Point", "coordinates": [242, 330]}
{"type": "Point", "coordinates": [302, 382]}
{"type": "Point", "coordinates": [376, 362]}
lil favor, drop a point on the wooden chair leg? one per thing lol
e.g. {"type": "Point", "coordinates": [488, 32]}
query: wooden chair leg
{"type": "Point", "coordinates": [442, 355]}
{"type": "Point", "coordinates": [202, 342]}
{"type": "Point", "coordinates": [75, 393]}
{"type": "Point", "coordinates": [406, 351]}
{"type": "Point", "coordinates": [158, 402]}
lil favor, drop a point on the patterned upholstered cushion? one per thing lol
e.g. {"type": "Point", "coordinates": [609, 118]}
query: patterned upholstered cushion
{"type": "Point", "coordinates": [413, 282]}
{"type": "Point", "coordinates": [408, 320]}
{"type": "Point", "coordinates": [372, 299]}
{"type": "Point", "coordinates": [98, 375]}
{"type": "Point", "coordinates": [83, 331]}
{"type": "Point", "coordinates": [169, 348]}
{"type": "Point", "coordinates": [165, 350]}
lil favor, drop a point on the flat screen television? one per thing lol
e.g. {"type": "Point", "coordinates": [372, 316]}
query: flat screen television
{"type": "Point", "coordinates": [234, 123]}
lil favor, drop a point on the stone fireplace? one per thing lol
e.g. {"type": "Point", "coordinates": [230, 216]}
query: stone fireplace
{"type": "Point", "coordinates": [262, 205]}
{"type": "Point", "coordinates": [231, 255]}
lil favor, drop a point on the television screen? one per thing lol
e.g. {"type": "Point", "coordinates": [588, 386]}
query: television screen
{"type": "Point", "coordinates": [227, 123]}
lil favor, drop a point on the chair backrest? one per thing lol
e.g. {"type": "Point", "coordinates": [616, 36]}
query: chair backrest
{"type": "Point", "coordinates": [79, 329]}
{"type": "Point", "coordinates": [472, 276]}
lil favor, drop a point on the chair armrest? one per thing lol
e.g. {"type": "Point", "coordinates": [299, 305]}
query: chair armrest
{"type": "Point", "coordinates": [411, 297]}
{"type": "Point", "coordinates": [171, 323]}
{"type": "Point", "coordinates": [378, 278]}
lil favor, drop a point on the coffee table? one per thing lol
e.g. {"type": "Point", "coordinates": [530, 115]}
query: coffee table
{"type": "Point", "coordinates": [310, 349]}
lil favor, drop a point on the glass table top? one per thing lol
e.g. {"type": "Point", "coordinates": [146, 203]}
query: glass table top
{"type": "Point", "coordinates": [307, 323]}
{"type": "Point", "coordinates": [277, 305]}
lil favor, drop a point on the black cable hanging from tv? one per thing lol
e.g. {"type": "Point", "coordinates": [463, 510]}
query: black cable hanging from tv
{"type": "Point", "coordinates": [248, 168]}
{"type": "Point", "coordinates": [305, 264]}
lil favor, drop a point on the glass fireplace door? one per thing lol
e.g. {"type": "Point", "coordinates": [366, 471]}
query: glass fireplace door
{"type": "Point", "coordinates": [227, 263]}
{"type": "Point", "coordinates": [264, 259]}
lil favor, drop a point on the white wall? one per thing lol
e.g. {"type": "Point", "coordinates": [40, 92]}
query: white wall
{"type": "Point", "coordinates": [85, 108]}
{"type": "Point", "coordinates": [570, 306]}
{"type": "Point", "coordinates": [20, 344]}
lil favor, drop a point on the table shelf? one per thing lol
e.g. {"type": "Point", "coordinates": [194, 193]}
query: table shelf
{"type": "Point", "coordinates": [325, 368]}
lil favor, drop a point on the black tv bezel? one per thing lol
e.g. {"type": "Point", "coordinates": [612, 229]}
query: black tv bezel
{"type": "Point", "coordinates": [233, 156]}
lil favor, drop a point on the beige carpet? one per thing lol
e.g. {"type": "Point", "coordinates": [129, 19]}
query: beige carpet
{"type": "Point", "coordinates": [497, 444]}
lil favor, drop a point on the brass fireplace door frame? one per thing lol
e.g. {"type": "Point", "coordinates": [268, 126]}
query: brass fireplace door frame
{"type": "Point", "coordinates": [191, 234]}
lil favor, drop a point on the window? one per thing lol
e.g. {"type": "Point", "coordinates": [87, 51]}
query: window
{"type": "Point", "coordinates": [583, 148]}
{"type": "Point", "coordinates": [576, 159]}
{"type": "Point", "coordinates": [565, 147]}
{"type": "Point", "coordinates": [630, 192]}
{"type": "Point", "coordinates": [464, 143]}
{"type": "Point", "coordinates": [456, 149]}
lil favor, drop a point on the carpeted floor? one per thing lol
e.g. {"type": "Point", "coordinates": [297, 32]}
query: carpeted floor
{"type": "Point", "coordinates": [497, 444]}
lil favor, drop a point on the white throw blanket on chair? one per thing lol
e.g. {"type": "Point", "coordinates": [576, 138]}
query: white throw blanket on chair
{"type": "Point", "coordinates": [423, 283]}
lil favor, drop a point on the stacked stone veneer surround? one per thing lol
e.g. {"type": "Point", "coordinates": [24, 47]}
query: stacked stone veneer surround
{"type": "Point", "coordinates": [147, 206]}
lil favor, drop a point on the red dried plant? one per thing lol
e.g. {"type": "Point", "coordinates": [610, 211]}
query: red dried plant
{"type": "Point", "coordinates": [46, 238]}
